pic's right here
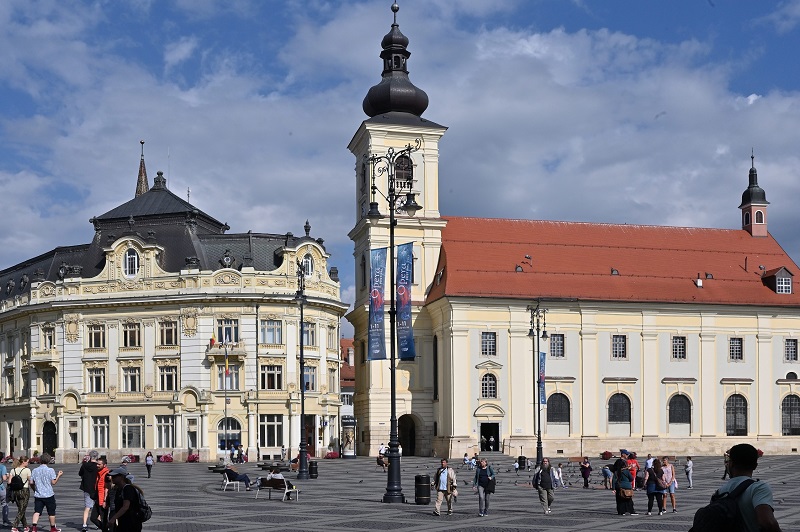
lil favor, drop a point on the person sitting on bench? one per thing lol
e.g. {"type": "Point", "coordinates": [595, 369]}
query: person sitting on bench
{"type": "Point", "coordinates": [383, 462]}
{"type": "Point", "coordinates": [235, 476]}
{"type": "Point", "coordinates": [276, 480]}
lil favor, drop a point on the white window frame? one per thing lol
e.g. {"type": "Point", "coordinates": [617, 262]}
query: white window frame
{"type": "Point", "coordinates": [96, 336]}
{"type": "Point", "coordinates": [678, 348]}
{"type": "Point", "coordinates": [309, 334]}
{"type": "Point", "coordinates": [168, 333]}
{"type": "Point", "coordinates": [310, 378]}
{"type": "Point", "coordinates": [168, 378]}
{"type": "Point", "coordinates": [736, 349]}
{"type": "Point", "coordinates": [557, 345]}
{"type": "Point", "coordinates": [48, 337]}
{"type": "Point", "coordinates": [131, 334]}
{"type": "Point", "coordinates": [783, 285]}
{"type": "Point", "coordinates": [48, 378]}
{"type": "Point", "coordinates": [270, 430]}
{"type": "Point", "coordinates": [96, 378]}
{"type": "Point", "coordinates": [131, 263]}
{"type": "Point", "coordinates": [100, 432]}
{"type": "Point", "coordinates": [272, 332]}
{"type": "Point", "coordinates": [790, 350]}
{"type": "Point", "coordinates": [274, 373]}
{"type": "Point", "coordinates": [131, 379]}
{"type": "Point", "coordinates": [165, 432]}
{"type": "Point", "coordinates": [488, 343]}
{"type": "Point", "coordinates": [128, 426]}
{"type": "Point", "coordinates": [228, 329]}
{"type": "Point", "coordinates": [232, 378]}
{"type": "Point", "coordinates": [619, 347]}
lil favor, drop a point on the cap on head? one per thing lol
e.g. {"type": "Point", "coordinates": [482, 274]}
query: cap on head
{"type": "Point", "coordinates": [119, 471]}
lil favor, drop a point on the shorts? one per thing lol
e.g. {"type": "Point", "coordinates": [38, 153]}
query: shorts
{"type": "Point", "coordinates": [88, 501]}
{"type": "Point", "coordinates": [671, 488]}
{"type": "Point", "coordinates": [47, 502]}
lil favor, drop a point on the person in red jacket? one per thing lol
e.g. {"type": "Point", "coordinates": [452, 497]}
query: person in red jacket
{"type": "Point", "coordinates": [633, 465]}
{"type": "Point", "coordinates": [100, 509]}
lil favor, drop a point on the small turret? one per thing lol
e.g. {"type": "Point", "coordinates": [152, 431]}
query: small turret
{"type": "Point", "coordinates": [754, 204]}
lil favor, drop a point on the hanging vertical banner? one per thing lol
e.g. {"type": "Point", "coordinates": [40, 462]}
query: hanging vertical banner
{"type": "Point", "coordinates": [376, 336]}
{"type": "Point", "coordinates": [405, 333]}
{"type": "Point", "coordinates": [542, 395]}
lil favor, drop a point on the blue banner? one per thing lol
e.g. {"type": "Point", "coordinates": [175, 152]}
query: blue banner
{"type": "Point", "coordinates": [405, 333]}
{"type": "Point", "coordinates": [376, 335]}
{"type": "Point", "coordinates": [542, 394]}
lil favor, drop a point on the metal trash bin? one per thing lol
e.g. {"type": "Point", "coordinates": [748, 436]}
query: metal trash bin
{"type": "Point", "coordinates": [422, 489]}
{"type": "Point", "coordinates": [313, 471]}
{"type": "Point", "coordinates": [523, 462]}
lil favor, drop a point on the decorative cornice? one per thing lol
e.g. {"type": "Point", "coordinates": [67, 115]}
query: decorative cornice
{"type": "Point", "coordinates": [736, 380]}
{"type": "Point", "coordinates": [671, 380]}
{"type": "Point", "coordinates": [617, 380]}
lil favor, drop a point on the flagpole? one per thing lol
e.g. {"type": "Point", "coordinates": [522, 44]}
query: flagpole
{"type": "Point", "coordinates": [225, 388]}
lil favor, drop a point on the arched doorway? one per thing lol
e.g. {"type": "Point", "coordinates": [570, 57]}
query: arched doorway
{"type": "Point", "coordinates": [49, 438]}
{"type": "Point", "coordinates": [407, 433]}
{"type": "Point", "coordinates": [230, 435]}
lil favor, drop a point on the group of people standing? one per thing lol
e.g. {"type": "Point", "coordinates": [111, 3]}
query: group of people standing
{"type": "Point", "coordinates": [659, 480]}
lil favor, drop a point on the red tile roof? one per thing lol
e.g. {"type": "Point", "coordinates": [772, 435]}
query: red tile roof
{"type": "Point", "coordinates": [574, 261]}
{"type": "Point", "coordinates": [347, 373]}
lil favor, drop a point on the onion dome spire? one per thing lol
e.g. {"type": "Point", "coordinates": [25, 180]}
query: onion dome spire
{"type": "Point", "coordinates": [754, 195]}
{"type": "Point", "coordinates": [142, 184]}
{"type": "Point", "coordinates": [395, 92]}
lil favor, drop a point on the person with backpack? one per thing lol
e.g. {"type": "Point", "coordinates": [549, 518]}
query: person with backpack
{"type": "Point", "coordinates": [656, 487]}
{"type": "Point", "coordinates": [88, 474]}
{"type": "Point", "coordinates": [18, 489]}
{"type": "Point", "coordinates": [623, 485]}
{"type": "Point", "coordinates": [127, 503]}
{"type": "Point", "coordinates": [742, 503]}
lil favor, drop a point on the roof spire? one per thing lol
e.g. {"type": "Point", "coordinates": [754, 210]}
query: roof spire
{"type": "Point", "coordinates": [395, 92]}
{"type": "Point", "coordinates": [142, 185]}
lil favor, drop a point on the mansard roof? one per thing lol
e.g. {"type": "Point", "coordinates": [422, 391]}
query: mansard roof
{"type": "Point", "coordinates": [484, 257]}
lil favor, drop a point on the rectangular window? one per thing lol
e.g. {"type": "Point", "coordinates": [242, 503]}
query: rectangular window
{"type": "Point", "coordinates": [227, 331]}
{"type": "Point", "coordinates": [332, 339]}
{"type": "Point", "coordinates": [131, 335]}
{"type": "Point", "coordinates": [271, 377]}
{"type": "Point", "coordinates": [131, 379]}
{"type": "Point", "coordinates": [619, 347]}
{"type": "Point", "coordinates": [790, 350]}
{"type": "Point", "coordinates": [678, 348]}
{"type": "Point", "coordinates": [270, 429]}
{"type": "Point", "coordinates": [48, 338]}
{"type": "Point", "coordinates": [168, 378]}
{"type": "Point", "coordinates": [96, 336]}
{"type": "Point", "coordinates": [272, 332]}
{"type": "Point", "coordinates": [557, 345]}
{"type": "Point", "coordinates": [48, 382]}
{"type": "Point", "coordinates": [165, 428]}
{"type": "Point", "coordinates": [488, 344]}
{"type": "Point", "coordinates": [736, 349]}
{"type": "Point", "coordinates": [784, 285]}
{"type": "Point", "coordinates": [230, 381]}
{"type": "Point", "coordinates": [310, 378]}
{"type": "Point", "coordinates": [132, 428]}
{"type": "Point", "coordinates": [168, 333]}
{"type": "Point", "coordinates": [100, 432]}
{"type": "Point", "coordinates": [309, 334]}
{"type": "Point", "coordinates": [97, 380]}
{"type": "Point", "coordinates": [9, 385]}
{"type": "Point", "coordinates": [332, 380]}
{"type": "Point", "coordinates": [347, 399]}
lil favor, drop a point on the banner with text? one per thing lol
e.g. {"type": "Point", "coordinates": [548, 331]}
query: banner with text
{"type": "Point", "coordinates": [376, 335]}
{"type": "Point", "coordinates": [542, 395]}
{"type": "Point", "coordinates": [405, 333]}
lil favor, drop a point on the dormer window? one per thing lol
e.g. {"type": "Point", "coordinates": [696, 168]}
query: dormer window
{"type": "Point", "coordinates": [783, 285]}
{"type": "Point", "coordinates": [308, 265]}
{"type": "Point", "coordinates": [131, 264]}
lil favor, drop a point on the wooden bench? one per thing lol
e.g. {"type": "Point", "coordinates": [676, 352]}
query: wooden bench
{"type": "Point", "coordinates": [277, 484]}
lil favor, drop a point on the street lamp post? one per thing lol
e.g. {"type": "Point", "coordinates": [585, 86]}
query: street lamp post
{"type": "Point", "coordinates": [538, 332]}
{"type": "Point", "coordinates": [390, 164]}
{"type": "Point", "coordinates": [300, 297]}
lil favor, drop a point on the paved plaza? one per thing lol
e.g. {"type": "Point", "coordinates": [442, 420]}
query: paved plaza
{"type": "Point", "coordinates": [346, 496]}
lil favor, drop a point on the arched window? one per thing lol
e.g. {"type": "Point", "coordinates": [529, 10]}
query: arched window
{"type": "Point", "coordinates": [308, 264]}
{"type": "Point", "coordinates": [233, 433]}
{"type": "Point", "coordinates": [680, 409]}
{"type": "Point", "coordinates": [619, 409]}
{"type": "Point", "coordinates": [791, 376]}
{"type": "Point", "coordinates": [790, 408]}
{"type": "Point", "coordinates": [131, 265]}
{"type": "Point", "coordinates": [747, 218]}
{"type": "Point", "coordinates": [489, 386]}
{"type": "Point", "coordinates": [759, 217]}
{"type": "Point", "coordinates": [558, 408]}
{"type": "Point", "coordinates": [404, 170]}
{"type": "Point", "coordinates": [736, 415]}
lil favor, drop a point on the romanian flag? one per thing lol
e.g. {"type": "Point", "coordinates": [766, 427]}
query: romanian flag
{"type": "Point", "coordinates": [213, 340]}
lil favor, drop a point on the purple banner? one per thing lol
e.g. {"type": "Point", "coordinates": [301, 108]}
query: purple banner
{"type": "Point", "coordinates": [542, 395]}
{"type": "Point", "coordinates": [405, 333]}
{"type": "Point", "coordinates": [376, 335]}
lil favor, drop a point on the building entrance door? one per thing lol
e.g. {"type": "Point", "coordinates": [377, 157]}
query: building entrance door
{"type": "Point", "coordinates": [490, 436]}
{"type": "Point", "coordinates": [49, 438]}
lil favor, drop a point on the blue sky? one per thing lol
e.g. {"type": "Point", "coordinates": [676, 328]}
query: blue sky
{"type": "Point", "coordinates": [624, 111]}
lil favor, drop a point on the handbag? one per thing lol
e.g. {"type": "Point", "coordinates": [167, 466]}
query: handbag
{"type": "Point", "coordinates": [626, 493]}
{"type": "Point", "coordinates": [492, 484]}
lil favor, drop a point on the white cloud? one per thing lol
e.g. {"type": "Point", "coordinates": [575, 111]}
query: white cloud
{"type": "Point", "coordinates": [785, 17]}
{"type": "Point", "coordinates": [179, 51]}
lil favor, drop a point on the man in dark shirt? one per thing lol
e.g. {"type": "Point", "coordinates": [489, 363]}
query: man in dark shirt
{"type": "Point", "coordinates": [88, 474]}
{"type": "Point", "coordinates": [544, 481]}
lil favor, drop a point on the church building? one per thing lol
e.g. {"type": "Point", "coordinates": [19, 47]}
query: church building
{"type": "Point", "coordinates": [673, 340]}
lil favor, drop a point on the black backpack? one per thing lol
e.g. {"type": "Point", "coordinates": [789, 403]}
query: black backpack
{"type": "Point", "coordinates": [722, 514]}
{"type": "Point", "coordinates": [16, 483]}
{"type": "Point", "coordinates": [143, 511]}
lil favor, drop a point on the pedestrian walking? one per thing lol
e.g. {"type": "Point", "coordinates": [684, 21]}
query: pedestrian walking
{"type": "Point", "coordinates": [445, 483]}
{"type": "Point", "coordinates": [43, 479]}
{"type": "Point", "coordinates": [99, 516]}
{"type": "Point", "coordinates": [126, 503]}
{"type": "Point", "coordinates": [516, 468]}
{"type": "Point", "coordinates": [18, 487]}
{"type": "Point", "coordinates": [623, 485]}
{"type": "Point", "coordinates": [491, 443]}
{"type": "Point", "coordinates": [727, 458]}
{"type": "Point", "coordinates": [688, 468]}
{"type": "Point", "coordinates": [4, 494]}
{"type": "Point", "coordinates": [559, 474]}
{"type": "Point", "coordinates": [586, 471]}
{"type": "Point", "coordinates": [544, 480]}
{"type": "Point", "coordinates": [88, 474]}
{"type": "Point", "coordinates": [148, 463]}
{"type": "Point", "coordinates": [482, 483]}
{"type": "Point", "coordinates": [672, 482]}
{"type": "Point", "coordinates": [656, 488]}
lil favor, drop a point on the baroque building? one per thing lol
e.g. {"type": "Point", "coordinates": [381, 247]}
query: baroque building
{"type": "Point", "coordinates": [660, 339]}
{"type": "Point", "coordinates": [147, 337]}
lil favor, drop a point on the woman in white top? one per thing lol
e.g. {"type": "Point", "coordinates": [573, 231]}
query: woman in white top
{"type": "Point", "coordinates": [669, 478]}
{"type": "Point", "coordinates": [21, 497]}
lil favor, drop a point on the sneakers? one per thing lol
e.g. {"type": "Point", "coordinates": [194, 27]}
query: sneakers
{"type": "Point", "coordinates": [634, 513]}
{"type": "Point", "coordinates": [480, 515]}
{"type": "Point", "coordinates": [648, 513]}
{"type": "Point", "coordinates": [674, 510]}
{"type": "Point", "coordinates": [85, 528]}
{"type": "Point", "coordinates": [662, 512]}
{"type": "Point", "coordinates": [55, 529]}
{"type": "Point", "coordinates": [436, 513]}
{"type": "Point", "coordinates": [547, 511]}
{"type": "Point", "coordinates": [449, 512]}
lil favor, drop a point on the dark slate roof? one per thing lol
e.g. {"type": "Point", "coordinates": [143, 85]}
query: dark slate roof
{"type": "Point", "coordinates": [402, 119]}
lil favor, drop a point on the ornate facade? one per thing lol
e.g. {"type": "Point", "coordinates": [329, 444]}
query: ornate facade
{"type": "Point", "coordinates": [668, 340]}
{"type": "Point", "coordinates": [147, 337]}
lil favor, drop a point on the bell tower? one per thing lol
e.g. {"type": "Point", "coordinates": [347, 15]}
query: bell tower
{"type": "Point", "coordinates": [394, 108]}
{"type": "Point", "coordinates": [754, 205]}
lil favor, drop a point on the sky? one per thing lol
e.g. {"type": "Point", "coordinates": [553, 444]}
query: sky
{"type": "Point", "coordinates": [624, 111]}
